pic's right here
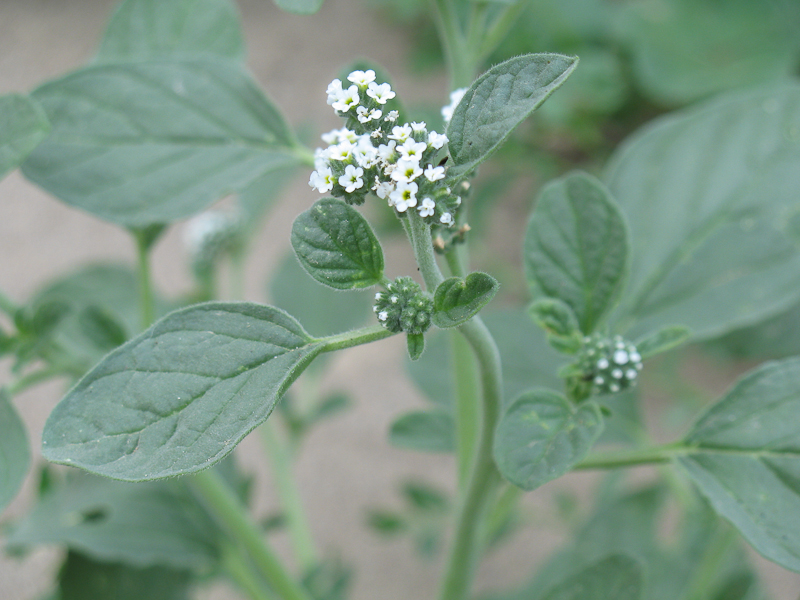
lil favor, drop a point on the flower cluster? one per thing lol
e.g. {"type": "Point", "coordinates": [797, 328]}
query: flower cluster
{"type": "Point", "coordinates": [404, 307]}
{"type": "Point", "coordinates": [374, 152]}
{"type": "Point", "coordinates": [612, 365]}
{"type": "Point", "coordinates": [210, 235]}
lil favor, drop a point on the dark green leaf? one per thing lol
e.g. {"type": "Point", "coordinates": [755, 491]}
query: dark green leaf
{"type": "Point", "coordinates": [83, 578]}
{"type": "Point", "coordinates": [179, 397]}
{"type": "Point", "coordinates": [300, 7]}
{"type": "Point", "coordinates": [142, 524]}
{"type": "Point", "coordinates": [337, 247]}
{"type": "Point", "coordinates": [23, 125]}
{"type": "Point", "coordinates": [457, 300]}
{"type": "Point", "coordinates": [15, 454]}
{"type": "Point", "coordinates": [541, 436]}
{"type": "Point", "coordinates": [328, 580]}
{"type": "Point", "coordinates": [425, 431]}
{"type": "Point", "coordinates": [744, 455]}
{"type": "Point", "coordinates": [498, 101]}
{"type": "Point", "coordinates": [559, 322]}
{"type": "Point", "coordinates": [662, 340]}
{"type": "Point", "coordinates": [576, 248]}
{"type": "Point", "coordinates": [176, 29]}
{"type": "Point", "coordinates": [386, 523]}
{"type": "Point", "coordinates": [153, 142]}
{"type": "Point", "coordinates": [416, 345]}
{"type": "Point", "coordinates": [424, 497]}
{"type": "Point", "coordinates": [102, 328]}
{"type": "Point", "coordinates": [617, 577]}
{"type": "Point", "coordinates": [710, 195]}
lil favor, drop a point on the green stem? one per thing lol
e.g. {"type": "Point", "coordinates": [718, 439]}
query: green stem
{"type": "Point", "coordinates": [291, 502]}
{"type": "Point", "coordinates": [238, 278]}
{"type": "Point", "coordinates": [143, 244]}
{"type": "Point", "coordinates": [357, 337]}
{"type": "Point", "coordinates": [226, 508]}
{"type": "Point", "coordinates": [500, 29]}
{"type": "Point", "coordinates": [468, 401]}
{"type": "Point", "coordinates": [7, 305]}
{"type": "Point", "coordinates": [632, 458]}
{"type": "Point", "coordinates": [707, 572]}
{"type": "Point", "coordinates": [239, 569]}
{"type": "Point", "coordinates": [422, 244]}
{"type": "Point", "coordinates": [459, 57]}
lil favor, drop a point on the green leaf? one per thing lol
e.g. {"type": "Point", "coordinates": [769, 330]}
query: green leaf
{"type": "Point", "coordinates": [300, 7]}
{"type": "Point", "coordinates": [143, 524]}
{"type": "Point", "coordinates": [559, 322]}
{"type": "Point", "coordinates": [710, 195]}
{"type": "Point", "coordinates": [744, 456]}
{"type": "Point", "coordinates": [175, 29]}
{"type": "Point", "coordinates": [23, 125]}
{"type": "Point", "coordinates": [102, 328]}
{"type": "Point", "coordinates": [15, 454]}
{"type": "Point", "coordinates": [424, 431]}
{"type": "Point", "coordinates": [775, 337]}
{"type": "Point", "coordinates": [617, 577]}
{"type": "Point", "coordinates": [456, 300]}
{"type": "Point", "coordinates": [416, 345]}
{"type": "Point", "coordinates": [147, 143]}
{"type": "Point", "coordinates": [541, 436]}
{"type": "Point", "coordinates": [82, 578]}
{"type": "Point", "coordinates": [179, 397]}
{"type": "Point", "coordinates": [576, 248]}
{"type": "Point", "coordinates": [337, 247]}
{"type": "Point", "coordinates": [662, 340]}
{"type": "Point", "coordinates": [498, 101]}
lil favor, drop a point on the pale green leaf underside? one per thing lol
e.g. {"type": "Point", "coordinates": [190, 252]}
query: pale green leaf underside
{"type": "Point", "coordinates": [576, 247]}
{"type": "Point", "coordinates": [15, 455]}
{"type": "Point", "coordinates": [300, 7]}
{"type": "Point", "coordinates": [23, 125]}
{"type": "Point", "coordinates": [541, 436]}
{"type": "Point", "coordinates": [153, 142]}
{"type": "Point", "coordinates": [616, 577]}
{"type": "Point", "coordinates": [178, 29]}
{"type": "Point", "coordinates": [711, 198]}
{"type": "Point", "coordinates": [425, 431]}
{"type": "Point", "coordinates": [744, 455]}
{"type": "Point", "coordinates": [144, 524]}
{"type": "Point", "coordinates": [498, 101]}
{"type": "Point", "coordinates": [458, 299]}
{"type": "Point", "coordinates": [182, 395]}
{"type": "Point", "coordinates": [337, 246]}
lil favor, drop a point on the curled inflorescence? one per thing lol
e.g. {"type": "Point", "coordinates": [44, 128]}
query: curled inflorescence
{"type": "Point", "coordinates": [612, 364]}
{"type": "Point", "coordinates": [404, 307]}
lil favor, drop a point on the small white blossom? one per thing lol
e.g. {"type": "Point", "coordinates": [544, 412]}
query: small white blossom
{"type": "Point", "coordinates": [383, 189]}
{"type": "Point", "coordinates": [376, 135]}
{"type": "Point", "coordinates": [383, 315]}
{"type": "Point", "coordinates": [427, 208]}
{"type": "Point", "coordinates": [406, 169]}
{"type": "Point", "coordinates": [203, 228]}
{"type": "Point", "coordinates": [434, 173]}
{"type": "Point", "coordinates": [620, 357]}
{"type": "Point", "coordinates": [602, 363]}
{"type": "Point", "coordinates": [366, 115]}
{"type": "Point", "coordinates": [334, 91]}
{"type": "Point", "coordinates": [341, 151]}
{"type": "Point", "coordinates": [352, 178]}
{"type": "Point", "coordinates": [347, 99]}
{"type": "Point", "coordinates": [614, 388]}
{"type": "Point", "coordinates": [362, 78]}
{"type": "Point", "coordinates": [378, 295]}
{"type": "Point", "coordinates": [322, 157]}
{"type": "Point", "coordinates": [419, 127]}
{"type": "Point", "coordinates": [599, 380]}
{"type": "Point", "coordinates": [401, 132]}
{"type": "Point", "coordinates": [393, 299]}
{"type": "Point", "coordinates": [446, 219]}
{"type": "Point", "coordinates": [455, 98]}
{"type": "Point", "coordinates": [410, 148]}
{"type": "Point", "coordinates": [392, 116]}
{"type": "Point", "coordinates": [404, 197]}
{"type": "Point", "coordinates": [458, 200]}
{"type": "Point", "coordinates": [386, 151]}
{"type": "Point", "coordinates": [635, 357]}
{"type": "Point", "coordinates": [381, 93]}
{"type": "Point", "coordinates": [322, 180]}
{"type": "Point", "coordinates": [337, 136]}
{"type": "Point", "coordinates": [631, 374]}
{"type": "Point", "coordinates": [616, 373]}
{"type": "Point", "coordinates": [437, 140]}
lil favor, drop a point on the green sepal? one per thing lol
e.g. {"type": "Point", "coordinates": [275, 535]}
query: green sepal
{"type": "Point", "coordinates": [416, 345]}
{"type": "Point", "coordinates": [662, 340]}
{"type": "Point", "coordinates": [456, 300]}
{"type": "Point", "coordinates": [559, 322]}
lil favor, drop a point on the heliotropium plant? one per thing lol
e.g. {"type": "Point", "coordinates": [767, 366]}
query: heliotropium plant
{"type": "Point", "coordinates": [689, 234]}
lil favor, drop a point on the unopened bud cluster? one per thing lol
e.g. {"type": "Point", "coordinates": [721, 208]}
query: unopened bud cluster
{"type": "Point", "coordinates": [209, 235]}
{"type": "Point", "coordinates": [375, 153]}
{"type": "Point", "coordinates": [404, 307]}
{"type": "Point", "coordinates": [611, 364]}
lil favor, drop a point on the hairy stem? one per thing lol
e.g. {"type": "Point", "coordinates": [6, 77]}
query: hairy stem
{"type": "Point", "coordinates": [630, 458]}
{"type": "Point", "coordinates": [357, 337]}
{"type": "Point", "coordinates": [143, 244]}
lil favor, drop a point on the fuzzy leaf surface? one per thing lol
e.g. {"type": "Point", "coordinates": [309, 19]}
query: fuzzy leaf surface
{"type": "Point", "coordinates": [179, 397]}
{"type": "Point", "coordinates": [15, 454]}
{"type": "Point", "coordinates": [178, 29]}
{"type": "Point", "coordinates": [711, 198]}
{"type": "Point", "coordinates": [498, 101]}
{"type": "Point", "coordinates": [148, 143]}
{"type": "Point", "coordinates": [744, 455]}
{"type": "Point", "coordinates": [576, 247]}
{"type": "Point", "coordinates": [337, 246]}
{"type": "Point", "coordinates": [456, 300]}
{"type": "Point", "coordinates": [425, 431]}
{"type": "Point", "coordinates": [541, 436]}
{"type": "Point", "coordinates": [23, 125]}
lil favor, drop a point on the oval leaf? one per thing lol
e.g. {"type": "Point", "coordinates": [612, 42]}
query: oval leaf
{"type": "Point", "coordinates": [498, 101]}
{"type": "Point", "coordinates": [711, 198]}
{"type": "Point", "coordinates": [457, 300]}
{"type": "Point", "coordinates": [425, 431]}
{"type": "Point", "coordinates": [180, 396]}
{"type": "Point", "coordinates": [662, 340]}
{"type": "Point", "coordinates": [23, 125]}
{"type": "Point", "coordinates": [576, 247]}
{"type": "Point", "coordinates": [744, 455]}
{"type": "Point", "coordinates": [15, 455]}
{"type": "Point", "coordinates": [146, 143]}
{"type": "Point", "coordinates": [542, 436]}
{"type": "Point", "coordinates": [337, 247]}
{"type": "Point", "coordinates": [178, 29]}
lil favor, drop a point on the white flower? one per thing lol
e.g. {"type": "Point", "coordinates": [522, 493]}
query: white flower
{"type": "Point", "coordinates": [401, 132]}
{"type": "Point", "coordinates": [386, 151]}
{"type": "Point", "coordinates": [383, 189]}
{"type": "Point", "coordinates": [347, 99]}
{"type": "Point", "coordinates": [366, 115]}
{"type": "Point", "coordinates": [404, 197]}
{"type": "Point", "coordinates": [616, 373]}
{"type": "Point", "coordinates": [392, 116]}
{"type": "Point", "coordinates": [631, 374]}
{"type": "Point", "coordinates": [380, 93]}
{"type": "Point", "coordinates": [378, 295]}
{"type": "Point", "coordinates": [455, 98]}
{"type": "Point", "coordinates": [602, 364]}
{"type": "Point", "coordinates": [201, 229]}
{"type": "Point", "coordinates": [376, 135]}
{"type": "Point", "coordinates": [383, 315]}
{"type": "Point", "coordinates": [437, 140]}
{"type": "Point", "coordinates": [340, 151]}
{"type": "Point", "coordinates": [321, 158]}
{"type": "Point", "coordinates": [620, 357]}
{"type": "Point", "coordinates": [635, 356]}
{"type": "Point", "coordinates": [334, 91]}
{"type": "Point", "coordinates": [322, 180]}
{"type": "Point", "coordinates": [434, 173]}
{"type": "Point", "coordinates": [427, 208]}
{"type": "Point", "coordinates": [366, 154]}
{"type": "Point", "coordinates": [406, 169]}
{"type": "Point", "coordinates": [351, 180]}
{"type": "Point", "coordinates": [412, 149]}
{"type": "Point", "coordinates": [336, 136]}
{"type": "Point", "coordinates": [446, 219]}
{"type": "Point", "coordinates": [362, 78]}
{"type": "Point", "coordinates": [458, 200]}
{"type": "Point", "coordinates": [419, 127]}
